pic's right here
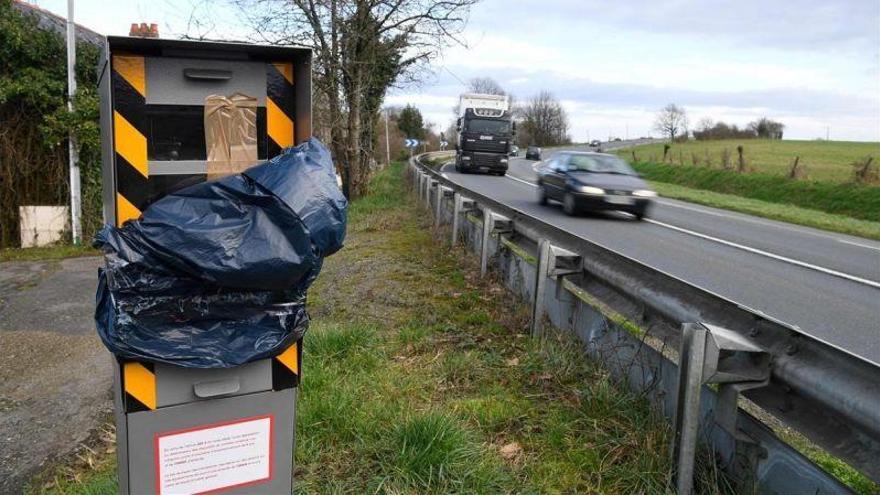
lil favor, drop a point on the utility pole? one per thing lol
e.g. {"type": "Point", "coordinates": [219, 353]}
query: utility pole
{"type": "Point", "coordinates": [827, 133]}
{"type": "Point", "coordinates": [627, 131]}
{"type": "Point", "coordinates": [75, 198]}
{"type": "Point", "coordinates": [387, 142]}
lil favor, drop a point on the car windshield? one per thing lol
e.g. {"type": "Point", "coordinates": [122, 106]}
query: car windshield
{"type": "Point", "coordinates": [599, 164]}
{"type": "Point", "coordinates": [486, 126]}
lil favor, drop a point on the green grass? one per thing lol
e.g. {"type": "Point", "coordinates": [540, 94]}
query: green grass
{"type": "Point", "coordinates": [851, 200]}
{"type": "Point", "coordinates": [825, 161]}
{"type": "Point", "coordinates": [419, 377]}
{"type": "Point", "coordinates": [775, 211]}
{"type": "Point", "coordinates": [437, 159]}
{"type": "Point", "coordinates": [52, 252]}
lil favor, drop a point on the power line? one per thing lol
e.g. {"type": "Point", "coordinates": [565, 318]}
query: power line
{"type": "Point", "coordinates": [455, 75]}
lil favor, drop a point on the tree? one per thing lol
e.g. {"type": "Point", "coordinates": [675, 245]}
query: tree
{"type": "Point", "coordinates": [410, 123]}
{"type": "Point", "coordinates": [671, 120]}
{"type": "Point", "coordinates": [766, 128]}
{"type": "Point", "coordinates": [486, 86]}
{"type": "Point", "coordinates": [361, 48]}
{"type": "Point", "coordinates": [543, 121]}
{"type": "Point", "coordinates": [705, 125]}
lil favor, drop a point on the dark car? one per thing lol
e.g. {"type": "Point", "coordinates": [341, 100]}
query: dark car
{"type": "Point", "coordinates": [533, 153]}
{"type": "Point", "coordinates": [593, 181]}
{"type": "Point", "coordinates": [514, 150]}
{"type": "Point", "coordinates": [595, 143]}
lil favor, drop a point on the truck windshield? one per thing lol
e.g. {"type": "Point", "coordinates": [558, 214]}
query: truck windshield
{"type": "Point", "coordinates": [600, 164]}
{"type": "Point", "coordinates": [487, 126]}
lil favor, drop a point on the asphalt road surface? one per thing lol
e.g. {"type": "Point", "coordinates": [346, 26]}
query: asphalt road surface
{"type": "Point", "coordinates": [54, 373]}
{"type": "Point", "coordinates": [826, 284]}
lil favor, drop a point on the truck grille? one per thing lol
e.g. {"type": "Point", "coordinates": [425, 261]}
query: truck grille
{"type": "Point", "coordinates": [481, 160]}
{"type": "Point", "coordinates": [494, 146]}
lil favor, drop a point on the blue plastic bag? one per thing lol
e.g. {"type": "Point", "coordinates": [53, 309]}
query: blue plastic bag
{"type": "Point", "coordinates": [215, 275]}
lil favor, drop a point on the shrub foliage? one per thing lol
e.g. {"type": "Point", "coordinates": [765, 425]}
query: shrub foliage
{"type": "Point", "coordinates": [34, 122]}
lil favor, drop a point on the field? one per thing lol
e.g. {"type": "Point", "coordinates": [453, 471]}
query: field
{"type": "Point", "coordinates": [823, 194]}
{"type": "Point", "coordinates": [825, 161]}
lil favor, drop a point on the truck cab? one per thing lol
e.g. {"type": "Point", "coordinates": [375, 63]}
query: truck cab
{"type": "Point", "coordinates": [485, 134]}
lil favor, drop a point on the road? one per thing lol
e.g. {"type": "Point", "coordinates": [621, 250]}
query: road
{"type": "Point", "coordinates": [826, 284]}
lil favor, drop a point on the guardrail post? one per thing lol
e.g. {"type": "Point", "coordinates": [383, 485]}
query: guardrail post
{"type": "Point", "coordinates": [441, 193]}
{"type": "Point", "coordinates": [556, 263]}
{"type": "Point", "coordinates": [456, 214]}
{"type": "Point", "coordinates": [431, 183]}
{"type": "Point", "coordinates": [421, 180]}
{"type": "Point", "coordinates": [461, 206]}
{"type": "Point", "coordinates": [541, 274]}
{"type": "Point", "coordinates": [484, 246]}
{"type": "Point", "coordinates": [493, 223]}
{"type": "Point", "coordinates": [710, 354]}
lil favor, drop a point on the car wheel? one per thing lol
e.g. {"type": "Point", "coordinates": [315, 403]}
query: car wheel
{"type": "Point", "coordinates": [568, 204]}
{"type": "Point", "coordinates": [502, 173]}
{"type": "Point", "coordinates": [542, 195]}
{"type": "Point", "coordinates": [640, 215]}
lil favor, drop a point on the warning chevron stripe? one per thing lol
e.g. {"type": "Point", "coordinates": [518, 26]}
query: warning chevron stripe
{"type": "Point", "coordinates": [131, 68]}
{"type": "Point", "coordinates": [130, 143]}
{"type": "Point", "coordinates": [129, 136]}
{"type": "Point", "coordinates": [125, 210]}
{"type": "Point", "coordinates": [286, 367]}
{"type": "Point", "coordinates": [139, 383]}
{"type": "Point", "coordinates": [279, 106]}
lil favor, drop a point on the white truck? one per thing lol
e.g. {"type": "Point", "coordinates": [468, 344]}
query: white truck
{"type": "Point", "coordinates": [485, 134]}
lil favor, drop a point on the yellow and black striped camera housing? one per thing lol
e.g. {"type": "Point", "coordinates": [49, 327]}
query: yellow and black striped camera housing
{"type": "Point", "coordinates": [152, 111]}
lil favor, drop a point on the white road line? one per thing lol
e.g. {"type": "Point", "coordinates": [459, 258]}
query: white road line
{"type": "Point", "coordinates": [699, 210]}
{"type": "Point", "coordinates": [802, 264]}
{"type": "Point", "coordinates": [760, 252]}
{"type": "Point", "coordinates": [867, 246]}
{"type": "Point", "coordinates": [521, 180]}
{"type": "Point", "coordinates": [761, 222]}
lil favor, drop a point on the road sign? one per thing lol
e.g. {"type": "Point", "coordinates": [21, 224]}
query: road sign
{"type": "Point", "coordinates": [444, 144]}
{"type": "Point", "coordinates": [411, 143]}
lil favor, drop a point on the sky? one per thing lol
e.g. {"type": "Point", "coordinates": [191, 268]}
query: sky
{"type": "Point", "coordinates": [812, 64]}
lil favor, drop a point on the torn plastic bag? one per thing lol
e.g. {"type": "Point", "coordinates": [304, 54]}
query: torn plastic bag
{"type": "Point", "coordinates": [215, 275]}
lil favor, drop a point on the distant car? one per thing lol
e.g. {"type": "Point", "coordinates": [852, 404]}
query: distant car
{"type": "Point", "coordinates": [593, 181]}
{"type": "Point", "coordinates": [595, 143]}
{"type": "Point", "coordinates": [533, 153]}
{"type": "Point", "coordinates": [618, 139]}
{"type": "Point", "coordinates": [514, 150]}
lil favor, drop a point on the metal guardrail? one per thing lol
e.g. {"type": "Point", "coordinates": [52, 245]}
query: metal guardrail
{"type": "Point", "coordinates": [823, 392]}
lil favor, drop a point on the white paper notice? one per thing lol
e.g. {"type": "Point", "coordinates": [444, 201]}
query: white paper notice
{"type": "Point", "coordinates": [213, 457]}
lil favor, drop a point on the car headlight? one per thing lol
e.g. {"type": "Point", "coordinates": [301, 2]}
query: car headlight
{"type": "Point", "coordinates": [589, 189]}
{"type": "Point", "coordinates": [644, 193]}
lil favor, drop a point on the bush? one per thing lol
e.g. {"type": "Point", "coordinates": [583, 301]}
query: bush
{"type": "Point", "coordinates": [33, 110]}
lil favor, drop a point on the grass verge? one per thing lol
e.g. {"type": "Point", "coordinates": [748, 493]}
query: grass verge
{"type": "Point", "coordinates": [774, 211]}
{"type": "Point", "coordinates": [851, 200]}
{"type": "Point", "coordinates": [420, 378]}
{"type": "Point", "coordinates": [53, 252]}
